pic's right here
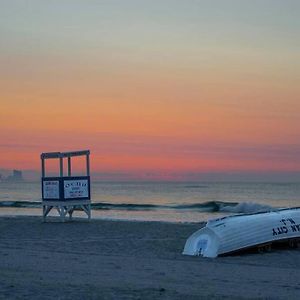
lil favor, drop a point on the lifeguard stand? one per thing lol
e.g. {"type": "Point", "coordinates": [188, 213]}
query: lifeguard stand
{"type": "Point", "coordinates": [66, 193]}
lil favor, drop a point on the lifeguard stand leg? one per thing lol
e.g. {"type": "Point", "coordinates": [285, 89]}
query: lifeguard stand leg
{"type": "Point", "coordinates": [70, 211]}
{"type": "Point", "coordinates": [46, 210]}
{"type": "Point", "coordinates": [87, 209]}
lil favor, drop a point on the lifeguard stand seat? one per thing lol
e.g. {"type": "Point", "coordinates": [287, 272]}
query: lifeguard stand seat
{"type": "Point", "coordinates": [66, 193]}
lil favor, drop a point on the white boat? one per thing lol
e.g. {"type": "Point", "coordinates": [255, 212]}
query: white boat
{"type": "Point", "coordinates": [233, 233]}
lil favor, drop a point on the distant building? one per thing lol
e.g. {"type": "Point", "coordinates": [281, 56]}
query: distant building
{"type": "Point", "coordinates": [16, 176]}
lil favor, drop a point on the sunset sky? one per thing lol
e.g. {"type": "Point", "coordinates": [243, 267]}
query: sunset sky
{"type": "Point", "coordinates": [152, 87]}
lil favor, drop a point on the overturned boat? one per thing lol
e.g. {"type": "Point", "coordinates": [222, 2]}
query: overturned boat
{"type": "Point", "coordinates": [233, 233]}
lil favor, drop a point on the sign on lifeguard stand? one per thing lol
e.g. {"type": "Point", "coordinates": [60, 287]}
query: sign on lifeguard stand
{"type": "Point", "coordinates": [66, 193]}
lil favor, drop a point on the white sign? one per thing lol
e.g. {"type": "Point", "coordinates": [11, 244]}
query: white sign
{"type": "Point", "coordinates": [76, 189]}
{"type": "Point", "coordinates": [51, 189]}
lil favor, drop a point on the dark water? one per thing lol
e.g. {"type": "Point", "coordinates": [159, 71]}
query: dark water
{"type": "Point", "coordinates": [166, 201]}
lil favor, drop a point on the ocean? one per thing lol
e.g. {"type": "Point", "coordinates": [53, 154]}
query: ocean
{"type": "Point", "coordinates": [160, 201]}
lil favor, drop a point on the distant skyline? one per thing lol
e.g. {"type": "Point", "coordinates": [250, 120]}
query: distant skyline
{"type": "Point", "coordinates": [188, 88]}
{"type": "Point", "coordinates": [155, 176]}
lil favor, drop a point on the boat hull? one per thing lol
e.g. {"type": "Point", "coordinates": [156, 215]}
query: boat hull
{"type": "Point", "coordinates": [233, 233]}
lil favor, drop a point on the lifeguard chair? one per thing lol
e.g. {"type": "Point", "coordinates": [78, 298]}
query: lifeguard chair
{"type": "Point", "coordinates": [66, 193]}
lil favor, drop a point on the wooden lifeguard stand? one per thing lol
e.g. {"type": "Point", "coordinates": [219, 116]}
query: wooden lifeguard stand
{"type": "Point", "coordinates": [66, 193]}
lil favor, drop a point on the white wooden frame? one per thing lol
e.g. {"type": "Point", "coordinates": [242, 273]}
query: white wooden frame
{"type": "Point", "coordinates": [65, 207]}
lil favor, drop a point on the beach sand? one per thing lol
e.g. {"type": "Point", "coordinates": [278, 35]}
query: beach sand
{"type": "Point", "coordinates": [132, 260]}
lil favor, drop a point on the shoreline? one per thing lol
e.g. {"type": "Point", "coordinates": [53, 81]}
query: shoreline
{"type": "Point", "coordinates": [102, 259]}
{"type": "Point", "coordinates": [76, 218]}
{"type": "Point", "coordinates": [119, 215]}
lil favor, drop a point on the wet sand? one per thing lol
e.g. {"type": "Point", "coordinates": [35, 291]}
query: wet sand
{"type": "Point", "coordinates": [132, 260]}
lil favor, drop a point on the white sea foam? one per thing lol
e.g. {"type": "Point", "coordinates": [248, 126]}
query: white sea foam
{"type": "Point", "coordinates": [247, 207]}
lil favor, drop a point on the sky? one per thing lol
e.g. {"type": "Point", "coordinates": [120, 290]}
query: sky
{"type": "Point", "coordinates": [155, 89]}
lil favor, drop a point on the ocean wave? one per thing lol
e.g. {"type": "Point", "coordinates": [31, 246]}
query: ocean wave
{"type": "Point", "coordinates": [23, 204]}
{"type": "Point", "coordinates": [210, 206]}
{"type": "Point", "coordinates": [247, 208]}
{"type": "Point", "coordinates": [195, 186]}
{"type": "Point", "coordinates": [126, 206]}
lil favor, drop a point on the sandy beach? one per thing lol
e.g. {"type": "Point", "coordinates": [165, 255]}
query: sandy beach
{"type": "Point", "coordinates": [132, 260]}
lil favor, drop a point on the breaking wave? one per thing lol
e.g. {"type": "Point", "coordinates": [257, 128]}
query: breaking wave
{"type": "Point", "coordinates": [210, 206]}
{"type": "Point", "coordinates": [247, 208]}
